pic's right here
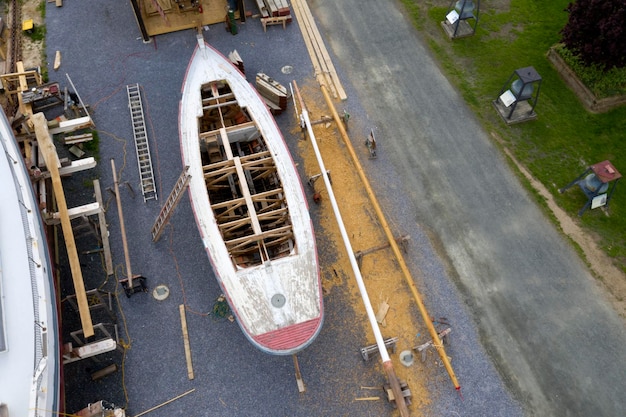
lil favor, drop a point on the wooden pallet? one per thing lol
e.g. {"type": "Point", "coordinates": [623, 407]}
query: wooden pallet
{"type": "Point", "coordinates": [277, 20]}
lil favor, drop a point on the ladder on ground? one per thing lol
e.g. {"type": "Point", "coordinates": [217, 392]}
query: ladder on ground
{"type": "Point", "coordinates": [148, 188]}
{"type": "Point", "coordinates": [170, 204]}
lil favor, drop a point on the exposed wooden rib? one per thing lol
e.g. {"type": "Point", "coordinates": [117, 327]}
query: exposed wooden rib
{"type": "Point", "coordinates": [216, 105]}
{"type": "Point", "coordinates": [282, 231]}
{"type": "Point", "coordinates": [227, 227]}
{"type": "Point", "coordinates": [255, 197]}
{"type": "Point", "coordinates": [248, 162]}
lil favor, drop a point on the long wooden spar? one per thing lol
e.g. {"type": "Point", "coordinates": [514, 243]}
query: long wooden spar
{"type": "Point", "coordinates": [51, 159]}
{"type": "Point", "coordinates": [394, 246]}
{"type": "Point", "coordinates": [382, 348]}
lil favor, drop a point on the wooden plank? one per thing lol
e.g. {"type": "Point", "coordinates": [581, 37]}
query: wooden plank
{"type": "Point", "coordinates": [74, 212]}
{"type": "Point", "coordinates": [183, 321]}
{"type": "Point", "coordinates": [57, 57]}
{"type": "Point", "coordinates": [382, 312]}
{"type": "Point", "coordinates": [271, 7]}
{"type": "Point", "coordinates": [309, 28]}
{"type": "Point", "coordinates": [89, 350]}
{"type": "Point", "coordinates": [313, 47]}
{"type": "Point", "coordinates": [72, 125]}
{"type": "Point", "coordinates": [59, 3]}
{"type": "Point", "coordinates": [52, 163]}
{"type": "Point", "coordinates": [104, 232]}
{"type": "Point", "coordinates": [70, 140]}
{"type": "Point", "coordinates": [262, 8]}
{"type": "Point", "coordinates": [75, 166]}
{"type": "Point", "coordinates": [256, 226]}
{"type": "Point", "coordinates": [299, 381]}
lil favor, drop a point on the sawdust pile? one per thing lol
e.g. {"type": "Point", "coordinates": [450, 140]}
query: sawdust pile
{"type": "Point", "coordinates": [382, 275]}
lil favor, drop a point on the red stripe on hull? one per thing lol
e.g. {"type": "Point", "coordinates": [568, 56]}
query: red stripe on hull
{"type": "Point", "coordinates": [291, 337]}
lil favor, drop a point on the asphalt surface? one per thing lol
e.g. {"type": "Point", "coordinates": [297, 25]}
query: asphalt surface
{"type": "Point", "coordinates": [103, 53]}
{"type": "Point", "coordinates": [531, 333]}
{"type": "Point", "coordinates": [539, 313]}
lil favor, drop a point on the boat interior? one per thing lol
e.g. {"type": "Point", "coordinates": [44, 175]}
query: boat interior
{"type": "Point", "coordinates": [245, 191]}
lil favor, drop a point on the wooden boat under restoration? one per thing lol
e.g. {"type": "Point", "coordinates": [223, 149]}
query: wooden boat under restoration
{"type": "Point", "coordinates": [30, 370]}
{"type": "Point", "coordinates": [249, 206]}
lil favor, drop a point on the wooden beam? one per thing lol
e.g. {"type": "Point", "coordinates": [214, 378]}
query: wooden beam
{"type": "Point", "coordinates": [183, 321]}
{"type": "Point", "coordinates": [75, 166]}
{"type": "Point", "coordinates": [104, 230]}
{"type": "Point", "coordinates": [52, 162]}
{"type": "Point", "coordinates": [129, 274]}
{"type": "Point", "coordinates": [72, 125]}
{"type": "Point", "coordinates": [246, 195]}
{"type": "Point", "coordinates": [74, 212]}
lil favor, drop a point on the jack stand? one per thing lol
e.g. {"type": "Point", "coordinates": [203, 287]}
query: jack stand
{"type": "Point", "coordinates": [315, 177]}
{"type": "Point", "coordinates": [443, 336]}
{"type": "Point", "coordinates": [370, 142]}
{"type": "Point", "coordinates": [401, 241]}
{"type": "Point", "coordinates": [368, 351]}
{"type": "Point", "coordinates": [323, 119]}
{"type": "Point", "coordinates": [406, 393]}
{"type": "Point", "coordinates": [138, 284]}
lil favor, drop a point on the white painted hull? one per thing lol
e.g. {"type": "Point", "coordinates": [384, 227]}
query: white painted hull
{"type": "Point", "coordinates": [30, 380]}
{"type": "Point", "coordinates": [250, 207]}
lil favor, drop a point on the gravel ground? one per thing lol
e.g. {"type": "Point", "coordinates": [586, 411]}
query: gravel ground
{"type": "Point", "coordinates": [102, 53]}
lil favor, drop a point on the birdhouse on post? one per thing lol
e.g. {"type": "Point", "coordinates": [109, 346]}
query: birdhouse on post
{"type": "Point", "coordinates": [598, 182]}
{"type": "Point", "coordinates": [518, 97]}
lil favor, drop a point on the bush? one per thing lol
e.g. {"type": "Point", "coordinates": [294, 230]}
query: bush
{"type": "Point", "coordinates": [596, 32]}
{"type": "Point", "coordinates": [602, 82]}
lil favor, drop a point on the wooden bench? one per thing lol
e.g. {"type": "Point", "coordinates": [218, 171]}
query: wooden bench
{"type": "Point", "coordinates": [277, 20]}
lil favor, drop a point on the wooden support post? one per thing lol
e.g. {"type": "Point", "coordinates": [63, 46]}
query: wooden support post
{"type": "Point", "coordinates": [104, 230]}
{"type": "Point", "coordinates": [183, 321]}
{"type": "Point", "coordinates": [129, 274]}
{"type": "Point", "coordinates": [52, 163]}
{"type": "Point", "coordinates": [301, 387]}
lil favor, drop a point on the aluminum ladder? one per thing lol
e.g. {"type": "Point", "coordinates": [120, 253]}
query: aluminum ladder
{"type": "Point", "coordinates": [170, 204]}
{"type": "Point", "coordinates": [148, 188]}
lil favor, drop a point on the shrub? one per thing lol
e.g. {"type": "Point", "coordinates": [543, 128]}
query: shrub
{"type": "Point", "coordinates": [596, 32]}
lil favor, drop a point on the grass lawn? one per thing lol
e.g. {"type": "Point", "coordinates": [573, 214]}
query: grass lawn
{"type": "Point", "coordinates": [564, 139]}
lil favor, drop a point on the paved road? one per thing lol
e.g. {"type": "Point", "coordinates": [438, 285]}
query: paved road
{"type": "Point", "coordinates": [540, 316]}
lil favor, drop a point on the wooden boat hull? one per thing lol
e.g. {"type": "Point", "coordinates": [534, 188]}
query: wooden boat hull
{"type": "Point", "coordinates": [250, 207]}
{"type": "Point", "coordinates": [30, 380]}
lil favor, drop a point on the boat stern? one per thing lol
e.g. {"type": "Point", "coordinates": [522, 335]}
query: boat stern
{"type": "Point", "coordinates": [289, 340]}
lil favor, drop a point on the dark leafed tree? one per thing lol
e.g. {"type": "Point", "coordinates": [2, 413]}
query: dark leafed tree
{"type": "Point", "coordinates": [596, 32]}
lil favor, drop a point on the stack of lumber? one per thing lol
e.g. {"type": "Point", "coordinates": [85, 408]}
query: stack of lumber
{"type": "Point", "coordinates": [236, 60]}
{"type": "Point", "coordinates": [277, 7]}
{"type": "Point", "coordinates": [273, 93]}
{"type": "Point", "coordinates": [274, 8]}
